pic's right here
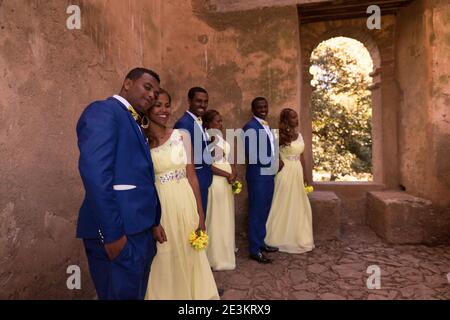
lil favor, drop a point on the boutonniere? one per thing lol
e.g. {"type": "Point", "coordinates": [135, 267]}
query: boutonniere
{"type": "Point", "coordinates": [142, 121]}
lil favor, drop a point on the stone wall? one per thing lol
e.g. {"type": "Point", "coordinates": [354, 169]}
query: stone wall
{"type": "Point", "coordinates": [423, 65]}
{"type": "Point", "coordinates": [239, 5]}
{"type": "Point", "coordinates": [49, 74]}
{"type": "Point", "coordinates": [236, 57]}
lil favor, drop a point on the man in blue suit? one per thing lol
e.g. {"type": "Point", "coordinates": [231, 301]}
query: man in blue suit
{"type": "Point", "coordinates": [261, 160]}
{"type": "Point", "coordinates": [120, 214]}
{"type": "Point", "coordinates": [192, 122]}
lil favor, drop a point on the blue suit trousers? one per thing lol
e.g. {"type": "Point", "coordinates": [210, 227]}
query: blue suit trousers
{"type": "Point", "coordinates": [126, 276]}
{"type": "Point", "coordinates": [260, 194]}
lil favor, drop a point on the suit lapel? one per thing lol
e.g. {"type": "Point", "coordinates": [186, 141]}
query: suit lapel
{"type": "Point", "coordinates": [140, 135]}
{"type": "Point", "coordinates": [200, 130]}
{"type": "Point", "coordinates": [260, 126]}
{"type": "Point", "coordinates": [195, 128]}
{"type": "Point", "coordinates": [137, 131]}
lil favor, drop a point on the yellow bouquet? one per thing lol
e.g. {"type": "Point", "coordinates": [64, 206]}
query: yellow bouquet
{"type": "Point", "coordinates": [308, 189]}
{"type": "Point", "coordinates": [198, 240]}
{"type": "Point", "coordinates": [236, 187]}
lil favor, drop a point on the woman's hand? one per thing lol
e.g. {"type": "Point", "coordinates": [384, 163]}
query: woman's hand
{"type": "Point", "coordinates": [201, 225]}
{"type": "Point", "coordinates": [159, 234]}
{"type": "Point", "coordinates": [232, 177]}
{"type": "Point", "coordinates": [280, 165]}
{"type": "Point", "coordinates": [201, 222]}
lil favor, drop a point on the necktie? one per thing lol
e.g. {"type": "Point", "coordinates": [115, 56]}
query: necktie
{"type": "Point", "coordinates": [264, 123]}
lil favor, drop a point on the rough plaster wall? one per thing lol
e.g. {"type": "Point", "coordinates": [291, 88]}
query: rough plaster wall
{"type": "Point", "coordinates": [49, 74]}
{"type": "Point", "coordinates": [236, 5]}
{"type": "Point", "coordinates": [235, 56]}
{"type": "Point", "coordinates": [423, 74]}
{"type": "Point", "coordinates": [413, 72]}
{"type": "Point", "coordinates": [439, 14]}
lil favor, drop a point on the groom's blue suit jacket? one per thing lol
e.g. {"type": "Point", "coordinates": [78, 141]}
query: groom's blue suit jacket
{"type": "Point", "coordinates": [202, 164]}
{"type": "Point", "coordinates": [254, 150]}
{"type": "Point", "coordinates": [114, 156]}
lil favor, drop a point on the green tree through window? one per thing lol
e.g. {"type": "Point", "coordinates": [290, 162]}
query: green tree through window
{"type": "Point", "coordinates": [341, 111]}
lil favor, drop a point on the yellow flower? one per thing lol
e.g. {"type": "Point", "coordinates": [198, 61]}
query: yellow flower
{"type": "Point", "coordinates": [198, 239]}
{"type": "Point", "coordinates": [192, 236]}
{"type": "Point", "coordinates": [309, 189]}
{"type": "Point", "coordinates": [236, 187]}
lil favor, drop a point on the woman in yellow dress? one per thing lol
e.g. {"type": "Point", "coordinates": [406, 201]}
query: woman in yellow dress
{"type": "Point", "coordinates": [289, 226]}
{"type": "Point", "coordinates": [178, 271]}
{"type": "Point", "coordinates": [220, 211]}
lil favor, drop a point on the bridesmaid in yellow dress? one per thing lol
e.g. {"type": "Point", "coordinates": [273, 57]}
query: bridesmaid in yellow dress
{"type": "Point", "coordinates": [220, 211]}
{"type": "Point", "coordinates": [178, 271]}
{"type": "Point", "coordinates": [289, 226]}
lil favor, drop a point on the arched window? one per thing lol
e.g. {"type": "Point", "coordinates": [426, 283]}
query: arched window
{"type": "Point", "coordinates": [341, 110]}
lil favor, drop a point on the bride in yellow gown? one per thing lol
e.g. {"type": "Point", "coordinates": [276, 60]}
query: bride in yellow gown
{"type": "Point", "coordinates": [178, 271]}
{"type": "Point", "coordinates": [289, 226]}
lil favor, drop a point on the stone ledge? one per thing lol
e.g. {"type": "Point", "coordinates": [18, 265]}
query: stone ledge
{"type": "Point", "coordinates": [398, 217]}
{"type": "Point", "coordinates": [326, 212]}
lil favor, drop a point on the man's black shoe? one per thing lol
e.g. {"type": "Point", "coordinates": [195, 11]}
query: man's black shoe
{"type": "Point", "coordinates": [260, 257]}
{"type": "Point", "coordinates": [267, 248]}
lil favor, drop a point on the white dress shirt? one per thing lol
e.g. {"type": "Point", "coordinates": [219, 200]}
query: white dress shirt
{"type": "Point", "coordinates": [128, 106]}
{"type": "Point", "coordinates": [199, 125]}
{"type": "Point", "coordinates": [268, 131]}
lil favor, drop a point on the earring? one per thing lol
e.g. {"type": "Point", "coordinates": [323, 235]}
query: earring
{"type": "Point", "coordinates": [145, 122]}
{"type": "Point", "coordinates": [288, 129]}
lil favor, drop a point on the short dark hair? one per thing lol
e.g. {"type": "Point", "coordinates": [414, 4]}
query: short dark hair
{"type": "Point", "coordinates": [136, 73]}
{"type": "Point", "coordinates": [163, 91]}
{"type": "Point", "coordinates": [257, 99]}
{"type": "Point", "coordinates": [194, 90]}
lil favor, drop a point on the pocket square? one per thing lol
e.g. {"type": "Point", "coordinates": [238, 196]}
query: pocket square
{"type": "Point", "coordinates": [123, 187]}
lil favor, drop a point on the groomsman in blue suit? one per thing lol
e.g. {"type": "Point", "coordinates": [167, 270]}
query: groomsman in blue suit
{"type": "Point", "coordinates": [261, 168]}
{"type": "Point", "coordinates": [192, 122]}
{"type": "Point", "coordinates": [120, 214]}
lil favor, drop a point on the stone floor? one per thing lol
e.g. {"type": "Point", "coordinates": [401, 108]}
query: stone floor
{"type": "Point", "coordinates": [338, 270]}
